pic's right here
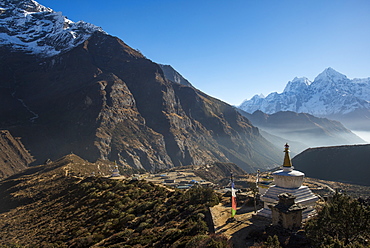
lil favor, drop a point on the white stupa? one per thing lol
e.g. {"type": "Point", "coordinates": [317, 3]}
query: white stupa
{"type": "Point", "coordinates": [115, 172]}
{"type": "Point", "coordinates": [288, 180]}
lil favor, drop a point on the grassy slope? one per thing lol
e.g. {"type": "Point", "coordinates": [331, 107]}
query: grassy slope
{"type": "Point", "coordinates": [46, 208]}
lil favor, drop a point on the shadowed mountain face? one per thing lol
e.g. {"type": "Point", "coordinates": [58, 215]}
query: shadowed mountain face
{"type": "Point", "coordinates": [103, 99]}
{"type": "Point", "coordinates": [338, 163]}
{"type": "Point", "coordinates": [308, 130]}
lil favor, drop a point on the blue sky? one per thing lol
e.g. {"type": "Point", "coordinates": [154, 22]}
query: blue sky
{"type": "Point", "coordinates": [235, 49]}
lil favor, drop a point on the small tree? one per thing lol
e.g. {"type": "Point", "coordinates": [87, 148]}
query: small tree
{"type": "Point", "coordinates": [272, 242]}
{"type": "Point", "coordinates": [342, 221]}
{"type": "Point", "coordinates": [202, 195]}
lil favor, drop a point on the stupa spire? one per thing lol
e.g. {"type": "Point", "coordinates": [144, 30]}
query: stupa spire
{"type": "Point", "coordinates": [287, 161]}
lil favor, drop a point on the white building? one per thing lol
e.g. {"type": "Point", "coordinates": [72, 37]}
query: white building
{"type": "Point", "coordinates": [288, 180]}
{"type": "Point", "coordinates": [115, 172]}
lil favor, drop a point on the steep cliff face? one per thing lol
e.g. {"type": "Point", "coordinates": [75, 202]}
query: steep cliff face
{"type": "Point", "coordinates": [13, 155]}
{"type": "Point", "coordinates": [105, 100]}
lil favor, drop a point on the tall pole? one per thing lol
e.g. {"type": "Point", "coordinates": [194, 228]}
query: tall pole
{"type": "Point", "coordinates": [255, 191]}
{"type": "Point", "coordinates": [233, 197]}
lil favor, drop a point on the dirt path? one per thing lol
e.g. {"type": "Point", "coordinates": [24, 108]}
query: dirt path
{"type": "Point", "coordinates": [239, 228]}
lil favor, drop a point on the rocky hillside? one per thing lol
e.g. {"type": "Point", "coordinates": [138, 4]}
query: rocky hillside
{"type": "Point", "coordinates": [27, 186]}
{"type": "Point", "coordinates": [14, 157]}
{"type": "Point", "coordinates": [102, 99]}
{"type": "Point", "coordinates": [47, 207]}
{"type": "Point", "coordinates": [308, 130]}
{"type": "Point", "coordinates": [339, 163]}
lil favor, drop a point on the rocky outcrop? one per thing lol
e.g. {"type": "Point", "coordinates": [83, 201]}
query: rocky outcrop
{"type": "Point", "coordinates": [13, 155]}
{"type": "Point", "coordinates": [105, 100]}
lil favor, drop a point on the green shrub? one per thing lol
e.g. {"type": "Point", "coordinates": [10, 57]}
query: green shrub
{"type": "Point", "coordinates": [197, 227]}
{"type": "Point", "coordinates": [83, 242]}
{"type": "Point", "coordinates": [272, 242]}
{"type": "Point", "coordinates": [127, 214]}
{"type": "Point", "coordinates": [171, 235]}
{"type": "Point", "coordinates": [86, 185]}
{"type": "Point", "coordinates": [197, 241]}
{"type": "Point", "coordinates": [128, 217]}
{"type": "Point", "coordinates": [142, 226]}
{"type": "Point", "coordinates": [201, 195]}
{"type": "Point", "coordinates": [342, 221]}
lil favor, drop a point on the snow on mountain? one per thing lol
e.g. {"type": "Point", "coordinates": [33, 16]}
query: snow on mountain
{"type": "Point", "coordinates": [26, 25]}
{"type": "Point", "coordinates": [331, 93]}
{"type": "Point", "coordinates": [297, 84]}
{"type": "Point", "coordinates": [330, 75]}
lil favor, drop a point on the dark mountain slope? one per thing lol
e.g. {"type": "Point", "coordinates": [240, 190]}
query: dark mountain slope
{"type": "Point", "coordinates": [105, 100]}
{"type": "Point", "coordinates": [338, 163]}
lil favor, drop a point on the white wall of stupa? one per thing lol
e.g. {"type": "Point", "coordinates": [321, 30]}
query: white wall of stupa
{"type": "Point", "coordinates": [288, 180]}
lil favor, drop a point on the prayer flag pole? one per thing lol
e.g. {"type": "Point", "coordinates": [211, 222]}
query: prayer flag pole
{"type": "Point", "coordinates": [233, 198]}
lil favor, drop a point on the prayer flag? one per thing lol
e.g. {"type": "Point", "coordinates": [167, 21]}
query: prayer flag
{"type": "Point", "coordinates": [233, 200]}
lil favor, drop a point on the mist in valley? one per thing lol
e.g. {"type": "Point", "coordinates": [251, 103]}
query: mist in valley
{"type": "Point", "coordinates": [365, 135]}
{"type": "Point", "coordinates": [301, 138]}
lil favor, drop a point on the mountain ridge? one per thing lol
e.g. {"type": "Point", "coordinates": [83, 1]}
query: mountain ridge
{"type": "Point", "coordinates": [304, 129]}
{"type": "Point", "coordinates": [104, 100]}
{"type": "Point", "coordinates": [331, 95]}
{"type": "Point", "coordinates": [347, 163]}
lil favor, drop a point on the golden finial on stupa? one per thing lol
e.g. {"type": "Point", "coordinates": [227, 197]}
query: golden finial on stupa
{"type": "Point", "coordinates": [287, 161]}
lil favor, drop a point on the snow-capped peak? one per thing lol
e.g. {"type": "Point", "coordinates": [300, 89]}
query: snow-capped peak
{"type": "Point", "coordinates": [330, 75]}
{"type": "Point", "coordinates": [258, 96]}
{"type": "Point", "coordinates": [297, 84]}
{"type": "Point", "coordinates": [28, 26]}
{"type": "Point", "coordinates": [26, 5]}
{"type": "Point", "coordinates": [331, 93]}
